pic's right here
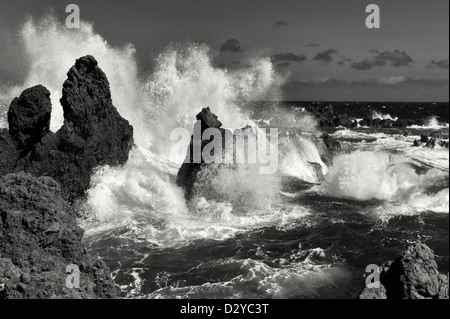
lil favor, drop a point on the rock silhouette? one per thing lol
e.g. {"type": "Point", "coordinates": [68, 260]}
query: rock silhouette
{"type": "Point", "coordinates": [413, 275]}
{"type": "Point", "coordinates": [39, 238]}
{"type": "Point", "coordinates": [29, 117]}
{"type": "Point", "coordinates": [187, 174]}
{"type": "Point", "coordinates": [93, 133]}
{"type": "Point", "coordinates": [41, 172]}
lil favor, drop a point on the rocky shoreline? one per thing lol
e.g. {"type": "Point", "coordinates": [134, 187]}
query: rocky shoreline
{"type": "Point", "coordinates": [413, 275]}
{"type": "Point", "coordinates": [42, 173]}
{"type": "Point", "coordinates": [328, 117]}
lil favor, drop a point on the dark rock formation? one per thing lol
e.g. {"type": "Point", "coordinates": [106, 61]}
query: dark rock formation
{"type": "Point", "coordinates": [187, 174]}
{"type": "Point", "coordinates": [9, 152]}
{"type": "Point", "coordinates": [318, 170]}
{"type": "Point", "coordinates": [89, 114]}
{"type": "Point", "coordinates": [328, 148]}
{"type": "Point", "coordinates": [345, 114]}
{"type": "Point", "coordinates": [93, 133]}
{"type": "Point", "coordinates": [404, 122]}
{"type": "Point", "coordinates": [413, 275]}
{"type": "Point", "coordinates": [39, 238]}
{"type": "Point", "coordinates": [431, 143]}
{"type": "Point", "coordinates": [365, 122]}
{"type": "Point", "coordinates": [343, 120]}
{"type": "Point", "coordinates": [443, 143]}
{"type": "Point", "coordinates": [29, 117]}
{"type": "Point", "coordinates": [424, 138]}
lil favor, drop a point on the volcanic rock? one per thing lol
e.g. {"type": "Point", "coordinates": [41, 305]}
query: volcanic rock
{"type": "Point", "coordinates": [93, 133]}
{"type": "Point", "coordinates": [187, 174]}
{"type": "Point", "coordinates": [9, 153]}
{"type": "Point", "coordinates": [29, 117]}
{"type": "Point", "coordinates": [424, 138]}
{"type": "Point", "coordinates": [413, 275]}
{"type": "Point", "coordinates": [431, 143]}
{"type": "Point", "coordinates": [39, 238]}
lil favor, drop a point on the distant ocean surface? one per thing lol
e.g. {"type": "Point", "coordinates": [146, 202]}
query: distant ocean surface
{"type": "Point", "coordinates": [313, 240]}
{"type": "Point", "coordinates": [404, 110]}
{"type": "Point", "coordinates": [308, 231]}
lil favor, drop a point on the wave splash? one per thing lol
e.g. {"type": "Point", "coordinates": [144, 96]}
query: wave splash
{"type": "Point", "coordinates": [366, 175]}
{"type": "Point", "coordinates": [142, 195]}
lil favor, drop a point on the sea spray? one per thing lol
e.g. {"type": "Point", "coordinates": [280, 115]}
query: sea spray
{"type": "Point", "coordinates": [365, 175]}
{"type": "Point", "coordinates": [51, 49]}
{"type": "Point", "coordinates": [432, 123]}
{"type": "Point", "coordinates": [185, 81]}
{"type": "Point", "coordinates": [298, 152]}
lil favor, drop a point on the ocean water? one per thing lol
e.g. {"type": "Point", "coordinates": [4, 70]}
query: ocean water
{"type": "Point", "coordinates": [303, 232]}
{"type": "Point", "coordinates": [257, 241]}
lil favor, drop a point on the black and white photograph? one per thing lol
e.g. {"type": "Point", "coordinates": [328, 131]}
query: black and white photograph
{"type": "Point", "coordinates": [230, 156]}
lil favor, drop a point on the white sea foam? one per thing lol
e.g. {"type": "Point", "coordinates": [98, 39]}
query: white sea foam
{"type": "Point", "coordinates": [142, 194]}
{"type": "Point", "coordinates": [257, 279]}
{"type": "Point", "coordinates": [432, 123]}
{"type": "Point", "coordinates": [381, 116]}
{"type": "Point", "coordinates": [364, 175]}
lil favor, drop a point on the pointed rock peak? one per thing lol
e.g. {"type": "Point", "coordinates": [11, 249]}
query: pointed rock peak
{"type": "Point", "coordinates": [29, 116]}
{"type": "Point", "coordinates": [208, 119]}
{"type": "Point", "coordinates": [87, 62]}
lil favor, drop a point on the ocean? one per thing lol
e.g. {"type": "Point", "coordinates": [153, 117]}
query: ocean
{"type": "Point", "coordinates": [266, 239]}
{"type": "Point", "coordinates": [308, 231]}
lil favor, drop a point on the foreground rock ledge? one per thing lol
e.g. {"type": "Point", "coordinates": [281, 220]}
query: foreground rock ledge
{"type": "Point", "coordinates": [413, 275]}
{"type": "Point", "coordinates": [39, 238]}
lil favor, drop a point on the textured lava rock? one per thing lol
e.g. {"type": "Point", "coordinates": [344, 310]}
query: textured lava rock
{"type": "Point", "coordinates": [9, 153]}
{"type": "Point", "coordinates": [413, 275]}
{"type": "Point", "coordinates": [93, 133]}
{"type": "Point", "coordinates": [39, 238]}
{"type": "Point", "coordinates": [187, 174]}
{"type": "Point", "coordinates": [29, 117]}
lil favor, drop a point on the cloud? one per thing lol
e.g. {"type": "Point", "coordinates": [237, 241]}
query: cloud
{"type": "Point", "coordinates": [283, 64]}
{"type": "Point", "coordinates": [326, 56]}
{"type": "Point", "coordinates": [393, 80]}
{"type": "Point", "coordinates": [389, 82]}
{"type": "Point", "coordinates": [395, 58]}
{"type": "Point", "coordinates": [443, 64]}
{"type": "Point", "coordinates": [396, 88]}
{"type": "Point", "coordinates": [344, 60]}
{"type": "Point", "coordinates": [313, 45]}
{"type": "Point", "coordinates": [280, 23]}
{"type": "Point", "coordinates": [231, 45]}
{"type": "Point", "coordinates": [288, 57]}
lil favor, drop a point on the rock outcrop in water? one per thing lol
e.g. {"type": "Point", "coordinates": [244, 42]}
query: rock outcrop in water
{"type": "Point", "coordinates": [29, 117]}
{"type": "Point", "coordinates": [39, 238]}
{"type": "Point", "coordinates": [413, 275]}
{"type": "Point", "coordinates": [40, 170]}
{"type": "Point", "coordinates": [430, 142]}
{"type": "Point", "coordinates": [93, 133]}
{"type": "Point", "coordinates": [187, 174]}
{"type": "Point", "coordinates": [328, 116]}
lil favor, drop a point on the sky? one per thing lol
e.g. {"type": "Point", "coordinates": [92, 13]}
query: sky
{"type": "Point", "coordinates": [323, 47]}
